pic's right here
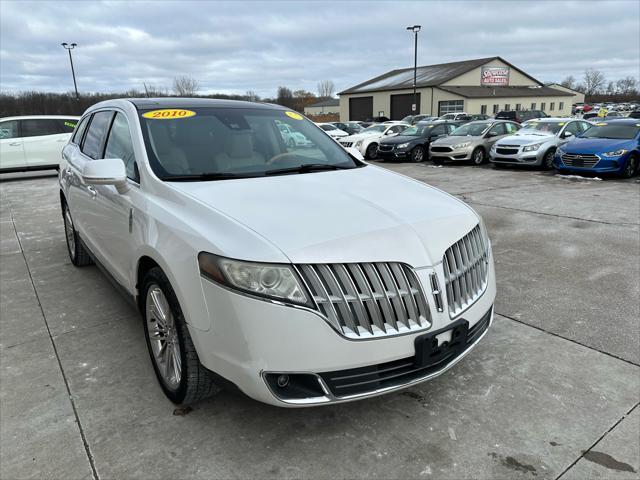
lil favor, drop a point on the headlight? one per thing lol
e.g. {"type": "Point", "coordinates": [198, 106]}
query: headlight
{"type": "Point", "coordinates": [462, 145]}
{"type": "Point", "coordinates": [403, 145]}
{"type": "Point", "coordinates": [275, 281]}
{"type": "Point", "coordinates": [615, 153]}
{"type": "Point", "coordinates": [358, 143]}
{"type": "Point", "coordinates": [532, 148]}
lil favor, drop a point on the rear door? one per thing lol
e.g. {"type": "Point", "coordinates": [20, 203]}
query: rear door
{"type": "Point", "coordinates": [11, 146]}
{"type": "Point", "coordinates": [44, 139]}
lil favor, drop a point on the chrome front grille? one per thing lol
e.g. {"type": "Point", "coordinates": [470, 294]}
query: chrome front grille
{"type": "Point", "coordinates": [465, 266]}
{"type": "Point", "coordinates": [583, 161]}
{"type": "Point", "coordinates": [346, 144]}
{"type": "Point", "coordinates": [385, 148]}
{"type": "Point", "coordinates": [366, 300]}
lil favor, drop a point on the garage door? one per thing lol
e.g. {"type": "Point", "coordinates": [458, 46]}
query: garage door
{"type": "Point", "coordinates": [360, 108]}
{"type": "Point", "coordinates": [401, 105]}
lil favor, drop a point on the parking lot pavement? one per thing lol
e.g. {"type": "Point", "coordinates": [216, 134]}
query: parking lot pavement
{"type": "Point", "coordinates": [551, 392]}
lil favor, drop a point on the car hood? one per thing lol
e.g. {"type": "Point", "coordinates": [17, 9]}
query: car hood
{"type": "Point", "coordinates": [398, 139]}
{"type": "Point", "coordinates": [365, 214]}
{"type": "Point", "coordinates": [454, 140]}
{"type": "Point", "coordinates": [525, 139]}
{"type": "Point", "coordinates": [596, 145]}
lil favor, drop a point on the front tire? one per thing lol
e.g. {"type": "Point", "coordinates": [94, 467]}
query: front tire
{"type": "Point", "coordinates": [417, 154]}
{"type": "Point", "coordinates": [181, 375]}
{"type": "Point", "coordinates": [547, 160]}
{"type": "Point", "coordinates": [478, 156]}
{"type": "Point", "coordinates": [372, 151]}
{"type": "Point", "coordinates": [631, 167]}
{"type": "Point", "coordinates": [77, 253]}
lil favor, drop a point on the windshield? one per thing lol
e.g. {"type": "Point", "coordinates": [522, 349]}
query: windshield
{"type": "Point", "coordinates": [375, 128]}
{"type": "Point", "coordinates": [236, 142]}
{"type": "Point", "coordinates": [470, 130]}
{"type": "Point", "coordinates": [328, 127]}
{"type": "Point", "coordinates": [618, 132]}
{"type": "Point", "coordinates": [416, 131]}
{"type": "Point", "coordinates": [543, 127]}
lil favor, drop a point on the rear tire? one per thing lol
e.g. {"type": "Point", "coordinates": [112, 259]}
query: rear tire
{"type": "Point", "coordinates": [181, 375]}
{"type": "Point", "coordinates": [631, 167]}
{"type": "Point", "coordinates": [78, 255]}
{"type": "Point", "coordinates": [372, 151]}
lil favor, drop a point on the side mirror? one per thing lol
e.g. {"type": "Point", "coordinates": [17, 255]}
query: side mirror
{"type": "Point", "coordinates": [109, 171]}
{"type": "Point", "coordinates": [492, 134]}
{"type": "Point", "coordinates": [567, 134]}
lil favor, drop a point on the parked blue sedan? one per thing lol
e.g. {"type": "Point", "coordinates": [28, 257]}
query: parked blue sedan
{"type": "Point", "coordinates": [612, 146]}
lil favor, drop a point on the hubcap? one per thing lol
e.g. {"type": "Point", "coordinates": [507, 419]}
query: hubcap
{"type": "Point", "coordinates": [550, 159]}
{"type": "Point", "coordinates": [163, 337]}
{"type": "Point", "coordinates": [68, 231]}
{"type": "Point", "coordinates": [418, 154]}
{"type": "Point", "coordinates": [372, 151]}
{"type": "Point", "coordinates": [479, 157]}
{"type": "Point", "coordinates": [631, 167]}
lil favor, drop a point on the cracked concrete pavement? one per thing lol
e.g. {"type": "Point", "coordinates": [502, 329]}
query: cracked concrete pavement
{"type": "Point", "coordinates": [551, 392]}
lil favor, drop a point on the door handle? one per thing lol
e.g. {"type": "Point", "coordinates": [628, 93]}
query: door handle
{"type": "Point", "coordinates": [92, 191]}
{"type": "Point", "coordinates": [15, 144]}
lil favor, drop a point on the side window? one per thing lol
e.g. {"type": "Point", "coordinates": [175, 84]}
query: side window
{"type": "Point", "coordinates": [9, 129]}
{"type": "Point", "coordinates": [511, 127]}
{"type": "Point", "coordinates": [77, 137]}
{"type": "Point", "coordinates": [498, 129]}
{"type": "Point", "coordinates": [451, 127]}
{"type": "Point", "coordinates": [574, 128]}
{"type": "Point", "coordinates": [438, 130]}
{"type": "Point", "coordinates": [119, 145]}
{"type": "Point", "coordinates": [66, 125]}
{"type": "Point", "coordinates": [97, 131]}
{"type": "Point", "coordinates": [584, 126]}
{"type": "Point", "coordinates": [38, 127]}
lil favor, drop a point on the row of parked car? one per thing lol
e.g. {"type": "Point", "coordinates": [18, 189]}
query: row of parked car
{"type": "Point", "coordinates": [567, 144]}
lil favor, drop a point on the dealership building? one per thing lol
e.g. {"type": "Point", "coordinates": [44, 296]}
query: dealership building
{"type": "Point", "coordinates": [484, 85]}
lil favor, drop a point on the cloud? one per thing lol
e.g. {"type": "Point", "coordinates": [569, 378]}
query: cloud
{"type": "Point", "coordinates": [234, 47]}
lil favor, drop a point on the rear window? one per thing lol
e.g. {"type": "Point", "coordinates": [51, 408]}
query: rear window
{"type": "Point", "coordinates": [611, 130]}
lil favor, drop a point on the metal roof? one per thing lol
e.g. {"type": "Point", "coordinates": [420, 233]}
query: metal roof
{"type": "Point", "coordinates": [426, 76]}
{"type": "Point", "coordinates": [331, 102]}
{"type": "Point", "coordinates": [503, 92]}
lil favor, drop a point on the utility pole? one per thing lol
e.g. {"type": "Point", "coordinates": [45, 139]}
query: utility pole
{"type": "Point", "coordinates": [68, 48]}
{"type": "Point", "coordinates": [415, 29]}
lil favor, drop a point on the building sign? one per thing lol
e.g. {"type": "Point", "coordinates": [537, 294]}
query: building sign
{"type": "Point", "coordinates": [494, 76]}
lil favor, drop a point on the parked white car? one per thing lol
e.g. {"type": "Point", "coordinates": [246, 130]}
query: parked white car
{"type": "Point", "coordinates": [331, 130]}
{"type": "Point", "coordinates": [292, 138]}
{"type": "Point", "coordinates": [284, 272]}
{"type": "Point", "coordinates": [33, 142]}
{"type": "Point", "coordinates": [367, 141]}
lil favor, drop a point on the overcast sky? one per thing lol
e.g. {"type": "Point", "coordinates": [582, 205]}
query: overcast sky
{"type": "Point", "coordinates": [233, 47]}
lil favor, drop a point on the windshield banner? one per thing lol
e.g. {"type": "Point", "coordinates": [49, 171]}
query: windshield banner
{"type": "Point", "coordinates": [494, 76]}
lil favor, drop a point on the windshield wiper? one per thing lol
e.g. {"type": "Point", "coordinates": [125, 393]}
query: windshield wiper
{"type": "Point", "coordinates": [201, 177]}
{"type": "Point", "coordinates": [306, 168]}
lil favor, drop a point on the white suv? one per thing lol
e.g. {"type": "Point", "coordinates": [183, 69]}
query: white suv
{"type": "Point", "coordinates": [33, 142]}
{"type": "Point", "coordinates": [279, 269]}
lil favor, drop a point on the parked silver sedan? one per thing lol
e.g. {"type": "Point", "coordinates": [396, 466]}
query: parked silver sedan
{"type": "Point", "coordinates": [471, 141]}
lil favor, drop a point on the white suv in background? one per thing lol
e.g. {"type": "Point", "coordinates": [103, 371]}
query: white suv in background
{"type": "Point", "coordinates": [367, 141]}
{"type": "Point", "coordinates": [279, 269]}
{"type": "Point", "coordinates": [33, 142]}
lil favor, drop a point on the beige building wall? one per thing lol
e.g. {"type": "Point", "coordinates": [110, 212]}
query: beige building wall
{"type": "Point", "coordinates": [321, 110]}
{"type": "Point", "coordinates": [382, 101]}
{"type": "Point", "coordinates": [472, 77]}
{"type": "Point", "coordinates": [473, 105]}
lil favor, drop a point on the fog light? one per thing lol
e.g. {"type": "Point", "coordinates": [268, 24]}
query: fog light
{"type": "Point", "coordinates": [283, 381]}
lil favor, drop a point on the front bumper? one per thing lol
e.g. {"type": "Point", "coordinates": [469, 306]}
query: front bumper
{"type": "Point", "coordinates": [518, 157]}
{"type": "Point", "coordinates": [250, 339]}
{"type": "Point", "coordinates": [603, 165]}
{"type": "Point", "coordinates": [393, 154]}
{"type": "Point", "coordinates": [450, 154]}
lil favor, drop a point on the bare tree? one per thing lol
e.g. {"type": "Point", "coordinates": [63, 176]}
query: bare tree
{"type": "Point", "coordinates": [569, 82]}
{"type": "Point", "coordinates": [285, 97]}
{"type": "Point", "coordinates": [611, 88]}
{"type": "Point", "coordinates": [252, 96]}
{"type": "Point", "coordinates": [627, 86]}
{"type": "Point", "coordinates": [325, 88]}
{"type": "Point", "coordinates": [594, 81]}
{"type": "Point", "coordinates": [185, 86]}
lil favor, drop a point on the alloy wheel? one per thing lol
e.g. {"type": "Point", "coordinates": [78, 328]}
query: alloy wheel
{"type": "Point", "coordinates": [69, 233]}
{"type": "Point", "coordinates": [417, 154]}
{"type": "Point", "coordinates": [630, 168]}
{"type": "Point", "coordinates": [478, 157]}
{"type": "Point", "coordinates": [163, 337]}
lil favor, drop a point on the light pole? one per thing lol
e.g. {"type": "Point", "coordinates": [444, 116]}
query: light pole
{"type": "Point", "coordinates": [70, 47]}
{"type": "Point", "coordinates": [415, 29]}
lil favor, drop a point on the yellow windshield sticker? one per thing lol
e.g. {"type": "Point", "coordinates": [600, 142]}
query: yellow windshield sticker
{"type": "Point", "coordinates": [294, 115]}
{"type": "Point", "coordinates": [431, 126]}
{"type": "Point", "coordinates": [169, 114]}
{"type": "Point", "coordinates": [601, 124]}
{"type": "Point", "coordinates": [70, 124]}
{"type": "Point", "coordinates": [560, 124]}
